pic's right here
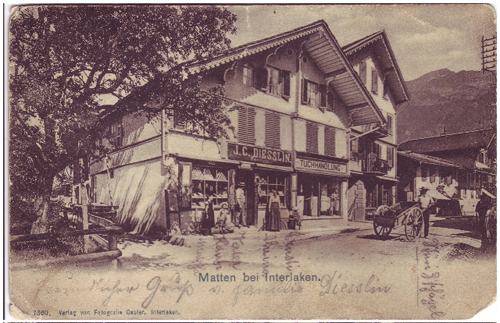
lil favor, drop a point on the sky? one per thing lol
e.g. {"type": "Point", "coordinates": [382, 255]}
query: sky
{"type": "Point", "coordinates": [424, 38]}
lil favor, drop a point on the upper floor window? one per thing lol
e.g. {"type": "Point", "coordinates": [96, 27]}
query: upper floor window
{"type": "Point", "coordinates": [389, 124]}
{"type": "Point", "coordinates": [116, 133]}
{"type": "Point", "coordinates": [362, 72]}
{"type": "Point", "coordinates": [248, 75]}
{"type": "Point", "coordinates": [374, 81]}
{"type": "Point", "coordinates": [271, 80]}
{"type": "Point", "coordinates": [317, 95]}
{"type": "Point", "coordinates": [386, 91]}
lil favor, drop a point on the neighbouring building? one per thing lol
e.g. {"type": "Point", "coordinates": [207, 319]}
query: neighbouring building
{"type": "Point", "coordinates": [295, 100]}
{"type": "Point", "coordinates": [373, 146]}
{"type": "Point", "coordinates": [456, 168]}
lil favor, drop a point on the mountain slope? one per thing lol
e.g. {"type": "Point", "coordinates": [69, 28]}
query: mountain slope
{"type": "Point", "coordinates": [445, 100]}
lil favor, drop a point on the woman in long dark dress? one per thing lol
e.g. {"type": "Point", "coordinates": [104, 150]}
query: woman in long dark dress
{"type": "Point", "coordinates": [274, 219]}
{"type": "Point", "coordinates": [208, 219]}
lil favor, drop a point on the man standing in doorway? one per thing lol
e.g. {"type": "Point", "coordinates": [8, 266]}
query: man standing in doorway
{"type": "Point", "coordinates": [240, 199]}
{"type": "Point", "coordinates": [425, 203]}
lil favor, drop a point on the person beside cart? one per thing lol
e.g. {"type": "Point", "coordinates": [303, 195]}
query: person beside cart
{"type": "Point", "coordinates": [425, 202]}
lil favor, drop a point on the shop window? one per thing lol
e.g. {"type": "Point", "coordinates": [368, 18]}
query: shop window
{"type": "Point", "coordinates": [273, 139]}
{"type": "Point", "coordinates": [312, 138]}
{"type": "Point", "coordinates": [246, 125]}
{"type": "Point", "coordinates": [248, 75]}
{"type": "Point", "coordinates": [318, 196]}
{"type": "Point", "coordinates": [208, 182]}
{"type": "Point", "coordinates": [362, 72]}
{"type": "Point", "coordinates": [374, 82]}
{"type": "Point", "coordinates": [269, 182]}
{"type": "Point", "coordinates": [330, 141]}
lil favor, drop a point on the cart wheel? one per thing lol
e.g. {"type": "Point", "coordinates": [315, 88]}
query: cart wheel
{"type": "Point", "coordinates": [413, 224]}
{"type": "Point", "coordinates": [381, 230]}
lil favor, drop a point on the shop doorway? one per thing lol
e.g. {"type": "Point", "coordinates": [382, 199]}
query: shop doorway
{"type": "Point", "coordinates": [245, 197]}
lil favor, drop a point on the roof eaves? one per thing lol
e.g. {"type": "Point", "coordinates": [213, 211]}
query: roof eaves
{"type": "Point", "coordinates": [363, 42]}
{"type": "Point", "coordinates": [367, 94]}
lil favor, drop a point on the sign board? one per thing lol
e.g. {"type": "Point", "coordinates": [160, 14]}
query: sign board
{"type": "Point", "coordinates": [320, 166]}
{"type": "Point", "coordinates": [259, 154]}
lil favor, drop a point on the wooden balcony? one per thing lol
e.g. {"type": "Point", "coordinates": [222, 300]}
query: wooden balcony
{"type": "Point", "coordinates": [375, 130]}
{"type": "Point", "coordinates": [375, 166]}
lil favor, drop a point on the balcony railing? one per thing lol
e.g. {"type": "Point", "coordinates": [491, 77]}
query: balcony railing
{"type": "Point", "coordinates": [375, 165]}
{"type": "Point", "coordinates": [379, 133]}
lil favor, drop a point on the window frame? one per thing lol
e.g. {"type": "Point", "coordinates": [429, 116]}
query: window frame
{"type": "Point", "coordinates": [246, 78]}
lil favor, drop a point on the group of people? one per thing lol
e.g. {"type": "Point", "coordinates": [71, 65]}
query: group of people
{"type": "Point", "coordinates": [224, 222]}
{"type": "Point", "coordinates": [485, 210]}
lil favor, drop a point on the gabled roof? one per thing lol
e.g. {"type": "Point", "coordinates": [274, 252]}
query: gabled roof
{"type": "Point", "coordinates": [323, 48]}
{"type": "Point", "coordinates": [426, 159]}
{"type": "Point", "coordinates": [463, 140]}
{"type": "Point", "coordinates": [383, 51]}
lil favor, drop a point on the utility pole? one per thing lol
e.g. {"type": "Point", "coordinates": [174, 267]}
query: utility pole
{"type": "Point", "coordinates": [489, 54]}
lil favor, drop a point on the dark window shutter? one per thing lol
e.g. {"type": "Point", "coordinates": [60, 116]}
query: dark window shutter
{"type": "Point", "coordinates": [312, 138]}
{"type": "Point", "coordinates": [251, 126]}
{"type": "Point", "coordinates": [389, 124]}
{"type": "Point", "coordinates": [322, 90]}
{"type": "Point", "coordinates": [330, 141]}
{"type": "Point", "coordinates": [362, 72]}
{"type": "Point", "coordinates": [304, 91]}
{"type": "Point", "coordinates": [390, 156]}
{"type": "Point", "coordinates": [272, 130]}
{"type": "Point", "coordinates": [286, 83]}
{"type": "Point", "coordinates": [331, 101]}
{"type": "Point", "coordinates": [374, 81]}
{"type": "Point", "coordinates": [261, 78]}
{"type": "Point", "coordinates": [242, 125]}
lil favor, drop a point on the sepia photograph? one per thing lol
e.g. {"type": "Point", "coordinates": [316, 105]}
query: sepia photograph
{"type": "Point", "coordinates": [251, 162]}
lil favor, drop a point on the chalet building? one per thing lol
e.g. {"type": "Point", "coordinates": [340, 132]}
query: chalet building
{"type": "Point", "coordinates": [456, 168]}
{"type": "Point", "coordinates": [295, 101]}
{"type": "Point", "coordinates": [373, 146]}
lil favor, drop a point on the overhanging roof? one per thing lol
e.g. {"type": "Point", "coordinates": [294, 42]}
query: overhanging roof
{"type": "Point", "coordinates": [463, 140]}
{"type": "Point", "coordinates": [379, 42]}
{"type": "Point", "coordinates": [427, 159]}
{"type": "Point", "coordinates": [323, 48]}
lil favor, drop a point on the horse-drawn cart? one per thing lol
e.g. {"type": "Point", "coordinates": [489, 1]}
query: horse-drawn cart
{"type": "Point", "coordinates": [408, 214]}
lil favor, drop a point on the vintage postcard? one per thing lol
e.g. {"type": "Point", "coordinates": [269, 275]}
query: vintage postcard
{"type": "Point", "coordinates": [260, 162]}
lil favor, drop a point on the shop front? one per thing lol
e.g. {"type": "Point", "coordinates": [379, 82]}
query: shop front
{"type": "Point", "coordinates": [262, 176]}
{"type": "Point", "coordinates": [320, 189]}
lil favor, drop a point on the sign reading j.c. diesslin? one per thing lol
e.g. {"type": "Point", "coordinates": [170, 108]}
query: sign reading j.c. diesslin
{"type": "Point", "coordinates": [317, 165]}
{"type": "Point", "coordinates": [259, 155]}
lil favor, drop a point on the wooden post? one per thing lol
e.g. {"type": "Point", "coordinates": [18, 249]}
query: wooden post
{"type": "Point", "coordinates": [112, 241]}
{"type": "Point", "coordinates": [85, 218]}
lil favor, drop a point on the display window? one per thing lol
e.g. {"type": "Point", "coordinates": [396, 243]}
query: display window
{"type": "Point", "coordinates": [269, 182]}
{"type": "Point", "coordinates": [318, 196]}
{"type": "Point", "coordinates": [208, 182]}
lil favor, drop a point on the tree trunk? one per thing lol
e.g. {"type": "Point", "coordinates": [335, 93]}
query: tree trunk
{"type": "Point", "coordinates": [42, 206]}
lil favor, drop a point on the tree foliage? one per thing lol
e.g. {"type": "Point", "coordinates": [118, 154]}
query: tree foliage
{"type": "Point", "coordinates": [66, 63]}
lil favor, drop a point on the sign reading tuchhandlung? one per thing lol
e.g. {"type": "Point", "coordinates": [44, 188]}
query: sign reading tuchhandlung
{"type": "Point", "coordinates": [319, 165]}
{"type": "Point", "coordinates": [259, 154]}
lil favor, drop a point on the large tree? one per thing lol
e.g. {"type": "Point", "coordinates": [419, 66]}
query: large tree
{"type": "Point", "coordinates": [67, 63]}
